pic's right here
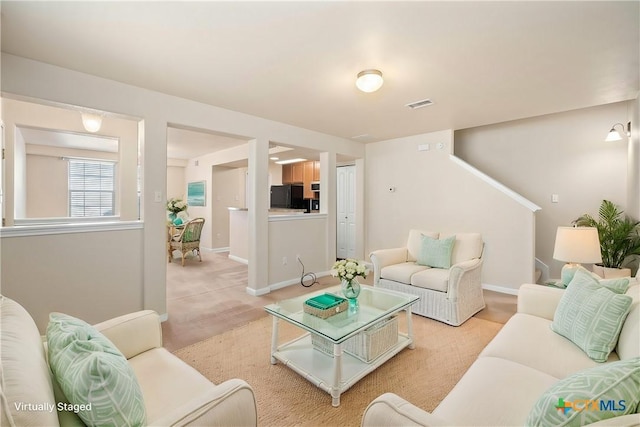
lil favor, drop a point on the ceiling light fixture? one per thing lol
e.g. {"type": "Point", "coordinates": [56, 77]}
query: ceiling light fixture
{"type": "Point", "coordinates": [91, 122]}
{"type": "Point", "coordinates": [369, 80]}
{"type": "Point", "coordinates": [286, 162]}
{"type": "Point", "coordinates": [614, 135]}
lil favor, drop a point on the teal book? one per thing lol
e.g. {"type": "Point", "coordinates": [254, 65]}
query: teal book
{"type": "Point", "coordinates": [324, 302]}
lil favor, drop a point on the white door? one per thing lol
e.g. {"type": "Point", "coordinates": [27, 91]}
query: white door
{"type": "Point", "coordinates": [346, 212]}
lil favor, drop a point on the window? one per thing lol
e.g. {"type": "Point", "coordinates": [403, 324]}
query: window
{"type": "Point", "coordinates": [91, 188]}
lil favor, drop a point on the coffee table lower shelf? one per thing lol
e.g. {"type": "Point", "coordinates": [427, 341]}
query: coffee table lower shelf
{"type": "Point", "coordinates": [336, 374]}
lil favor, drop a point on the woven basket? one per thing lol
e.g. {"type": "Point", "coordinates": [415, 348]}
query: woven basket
{"type": "Point", "coordinates": [368, 344]}
{"type": "Point", "coordinates": [325, 314]}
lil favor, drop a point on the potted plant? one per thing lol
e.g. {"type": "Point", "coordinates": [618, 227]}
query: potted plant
{"type": "Point", "coordinates": [619, 240]}
{"type": "Point", "coordinates": [174, 207]}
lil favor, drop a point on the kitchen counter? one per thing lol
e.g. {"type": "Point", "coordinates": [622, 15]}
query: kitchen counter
{"type": "Point", "coordinates": [277, 211]}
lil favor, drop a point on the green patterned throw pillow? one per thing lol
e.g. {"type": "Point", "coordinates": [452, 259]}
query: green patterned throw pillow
{"type": "Point", "coordinates": [436, 252]}
{"type": "Point", "coordinates": [591, 315]}
{"type": "Point", "coordinates": [93, 374]}
{"type": "Point", "coordinates": [590, 395]}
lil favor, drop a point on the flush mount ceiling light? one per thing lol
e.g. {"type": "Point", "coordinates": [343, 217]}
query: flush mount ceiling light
{"type": "Point", "coordinates": [369, 80]}
{"type": "Point", "coordinates": [91, 122]}
{"type": "Point", "coordinates": [614, 135]}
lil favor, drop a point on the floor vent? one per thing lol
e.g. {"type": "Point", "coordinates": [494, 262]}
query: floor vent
{"type": "Point", "coordinates": [419, 104]}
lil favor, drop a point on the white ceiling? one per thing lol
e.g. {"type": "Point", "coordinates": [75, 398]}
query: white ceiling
{"type": "Point", "coordinates": [69, 140]}
{"type": "Point", "coordinates": [295, 62]}
{"type": "Point", "coordinates": [188, 144]}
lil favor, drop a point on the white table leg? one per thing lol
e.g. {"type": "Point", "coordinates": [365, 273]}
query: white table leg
{"type": "Point", "coordinates": [410, 328]}
{"type": "Point", "coordinates": [274, 339]}
{"type": "Point", "coordinates": [337, 375]}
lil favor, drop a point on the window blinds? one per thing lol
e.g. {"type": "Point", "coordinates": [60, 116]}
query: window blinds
{"type": "Point", "coordinates": [91, 188]}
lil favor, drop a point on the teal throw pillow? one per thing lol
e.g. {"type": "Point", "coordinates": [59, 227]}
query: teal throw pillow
{"type": "Point", "coordinates": [591, 315]}
{"type": "Point", "coordinates": [590, 395]}
{"type": "Point", "coordinates": [436, 252]}
{"type": "Point", "coordinates": [619, 286]}
{"type": "Point", "coordinates": [93, 374]}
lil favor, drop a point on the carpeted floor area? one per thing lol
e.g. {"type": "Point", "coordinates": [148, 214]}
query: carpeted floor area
{"type": "Point", "coordinates": [423, 375]}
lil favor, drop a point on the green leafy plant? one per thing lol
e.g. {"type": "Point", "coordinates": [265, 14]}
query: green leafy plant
{"type": "Point", "coordinates": [619, 235]}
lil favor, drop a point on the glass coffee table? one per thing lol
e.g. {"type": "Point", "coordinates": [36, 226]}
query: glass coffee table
{"type": "Point", "coordinates": [327, 365]}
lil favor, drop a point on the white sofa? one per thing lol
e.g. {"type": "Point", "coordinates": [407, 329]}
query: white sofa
{"type": "Point", "coordinates": [174, 393]}
{"type": "Point", "coordinates": [524, 359]}
{"type": "Point", "coordinates": [450, 295]}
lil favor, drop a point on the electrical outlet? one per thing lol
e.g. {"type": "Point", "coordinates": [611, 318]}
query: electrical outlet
{"type": "Point", "coordinates": [284, 260]}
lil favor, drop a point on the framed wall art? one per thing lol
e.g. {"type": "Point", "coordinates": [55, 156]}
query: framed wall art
{"type": "Point", "coordinates": [196, 195]}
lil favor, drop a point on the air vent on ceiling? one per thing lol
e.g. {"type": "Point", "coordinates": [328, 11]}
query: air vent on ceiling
{"type": "Point", "coordinates": [419, 104]}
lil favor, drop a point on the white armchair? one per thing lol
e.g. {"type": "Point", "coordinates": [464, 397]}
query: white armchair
{"type": "Point", "coordinates": [174, 393]}
{"type": "Point", "coordinates": [450, 295]}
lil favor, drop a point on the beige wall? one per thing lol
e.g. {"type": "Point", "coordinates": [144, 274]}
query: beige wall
{"type": "Point", "coordinates": [238, 235]}
{"type": "Point", "coordinates": [563, 154]}
{"type": "Point", "coordinates": [176, 184]}
{"type": "Point", "coordinates": [93, 276]}
{"type": "Point", "coordinates": [47, 187]}
{"type": "Point", "coordinates": [305, 236]}
{"type": "Point", "coordinates": [227, 192]}
{"type": "Point", "coordinates": [431, 192]}
{"type": "Point", "coordinates": [48, 179]}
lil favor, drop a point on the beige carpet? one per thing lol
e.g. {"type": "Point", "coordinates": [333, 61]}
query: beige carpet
{"type": "Point", "coordinates": [423, 376]}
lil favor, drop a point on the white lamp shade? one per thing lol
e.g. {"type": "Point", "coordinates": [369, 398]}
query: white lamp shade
{"type": "Point", "coordinates": [91, 122]}
{"type": "Point", "coordinates": [613, 135]}
{"type": "Point", "coordinates": [369, 80]}
{"type": "Point", "coordinates": [577, 245]}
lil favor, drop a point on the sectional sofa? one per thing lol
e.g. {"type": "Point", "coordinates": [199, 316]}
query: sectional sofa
{"type": "Point", "coordinates": [530, 374]}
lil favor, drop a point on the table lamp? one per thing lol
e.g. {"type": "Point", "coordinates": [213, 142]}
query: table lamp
{"type": "Point", "coordinates": [576, 245]}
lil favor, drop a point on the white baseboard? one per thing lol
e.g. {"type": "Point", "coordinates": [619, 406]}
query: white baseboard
{"type": "Point", "coordinates": [216, 250]}
{"type": "Point", "coordinates": [280, 285]}
{"type": "Point", "coordinates": [501, 289]}
{"type": "Point", "coordinates": [257, 292]}
{"type": "Point", "coordinates": [238, 259]}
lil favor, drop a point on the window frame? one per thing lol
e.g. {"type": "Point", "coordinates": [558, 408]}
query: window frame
{"type": "Point", "coordinates": [73, 179]}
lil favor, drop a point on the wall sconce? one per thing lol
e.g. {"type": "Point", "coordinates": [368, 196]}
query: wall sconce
{"type": "Point", "coordinates": [576, 245]}
{"type": "Point", "coordinates": [614, 135]}
{"type": "Point", "coordinates": [369, 80]}
{"type": "Point", "coordinates": [91, 122]}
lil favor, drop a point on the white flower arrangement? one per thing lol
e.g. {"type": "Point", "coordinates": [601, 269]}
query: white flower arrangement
{"type": "Point", "coordinates": [175, 205]}
{"type": "Point", "coordinates": [348, 269]}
